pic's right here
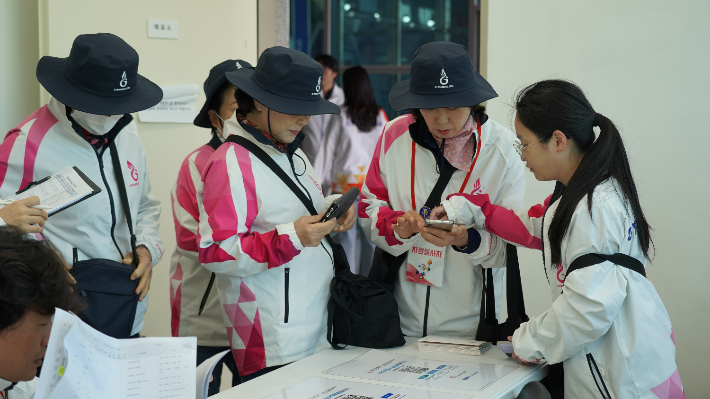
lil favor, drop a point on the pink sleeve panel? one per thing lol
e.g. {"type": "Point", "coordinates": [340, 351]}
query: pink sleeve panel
{"type": "Point", "coordinates": [386, 217]}
{"type": "Point", "coordinates": [504, 222]}
{"type": "Point", "coordinates": [270, 247]}
{"type": "Point", "coordinates": [45, 120]}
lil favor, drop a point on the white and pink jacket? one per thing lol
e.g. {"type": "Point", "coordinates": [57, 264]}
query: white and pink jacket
{"type": "Point", "coordinates": [454, 308]}
{"type": "Point", "coordinates": [273, 290]}
{"type": "Point", "coordinates": [45, 143]}
{"type": "Point", "coordinates": [194, 303]}
{"type": "Point", "coordinates": [603, 317]}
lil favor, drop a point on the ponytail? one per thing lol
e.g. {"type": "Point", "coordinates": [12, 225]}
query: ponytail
{"type": "Point", "coordinates": [559, 105]}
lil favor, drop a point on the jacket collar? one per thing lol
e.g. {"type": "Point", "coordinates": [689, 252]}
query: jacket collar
{"type": "Point", "coordinates": [421, 135]}
{"type": "Point", "coordinates": [259, 137]}
{"type": "Point", "coordinates": [59, 111]}
{"type": "Point", "coordinates": [215, 142]}
{"type": "Point", "coordinates": [4, 384]}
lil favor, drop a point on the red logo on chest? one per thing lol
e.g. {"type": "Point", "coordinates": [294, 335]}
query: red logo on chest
{"type": "Point", "coordinates": [477, 188]}
{"type": "Point", "coordinates": [317, 185]}
{"type": "Point", "coordinates": [134, 172]}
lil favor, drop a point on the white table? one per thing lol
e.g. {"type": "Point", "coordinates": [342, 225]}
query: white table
{"type": "Point", "coordinates": [507, 387]}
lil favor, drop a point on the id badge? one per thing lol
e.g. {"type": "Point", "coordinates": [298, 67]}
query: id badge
{"type": "Point", "coordinates": [425, 264]}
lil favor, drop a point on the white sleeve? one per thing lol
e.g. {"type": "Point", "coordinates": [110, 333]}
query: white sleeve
{"type": "Point", "coordinates": [592, 296]}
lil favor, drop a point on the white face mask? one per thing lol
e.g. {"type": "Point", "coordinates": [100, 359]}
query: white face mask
{"type": "Point", "coordinates": [95, 124]}
{"type": "Point", "coordinates": [230, 126]}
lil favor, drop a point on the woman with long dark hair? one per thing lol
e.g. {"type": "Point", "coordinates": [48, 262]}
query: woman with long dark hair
{"type": "Point", "coordinates": [351, 140]}
{"type": "Point", "coordinates": [607, 332]}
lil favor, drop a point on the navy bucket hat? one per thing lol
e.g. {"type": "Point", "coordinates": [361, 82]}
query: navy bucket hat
{"type": "Point", "coordinates": [287, 81]}
{"type": "Point", "coordinates": [442, 76]}
{"type": "Point", "coordinates": [214, 82]}
{"type": "Point", "coordinates": [99, 77]}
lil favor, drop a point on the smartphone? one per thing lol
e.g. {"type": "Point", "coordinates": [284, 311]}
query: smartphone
{"type": "Point", "coordinates": [439, 224]}
{"type": "Point", "coordinates": [341, 205]}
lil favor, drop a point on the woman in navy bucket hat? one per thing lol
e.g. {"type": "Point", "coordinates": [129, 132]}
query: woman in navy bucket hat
{"type": "Point", "coordinates": [194, 305]}
{"type": "Point", "coordinates": [272, 265]}
{"type": "Point", "coordinates": [93, 91]}
{"type": "Point", "coordinates": [440, 274]}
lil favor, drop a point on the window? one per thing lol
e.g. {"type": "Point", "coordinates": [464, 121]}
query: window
{"type": "Point", "coordinates": [382, 35]}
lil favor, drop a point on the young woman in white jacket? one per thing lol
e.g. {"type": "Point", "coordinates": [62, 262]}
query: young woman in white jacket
{"type": "Point", "coordinates": [350, 142]}
{"type": "Point", "coordinates": [607, 334]}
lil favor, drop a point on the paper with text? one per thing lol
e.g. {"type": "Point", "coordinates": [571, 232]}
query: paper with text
{"type": "Point", "coordinates": [179, 105]}
{"type": "Point", "coordinates": [411, 370]}
{"type": "Point", "coordinates": [82, 363]}
{"type": "Point", "coordinates": [61, 190]}
{"type": "Point", "coordinates": [325, 388]}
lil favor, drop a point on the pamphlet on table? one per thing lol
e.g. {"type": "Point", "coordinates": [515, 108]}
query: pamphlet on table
{"type": "Point", "coordinates": [325, 388]}
{"type": "Point", "coordinates": [411, 370]}
{"type": "Point", "coordinates": [458, 346]}
{"type": "Point", "coordinates": [82, 363]}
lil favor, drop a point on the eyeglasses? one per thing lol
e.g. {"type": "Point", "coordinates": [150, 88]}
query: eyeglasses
{"type": "Point", "coordinates": [519, 147]}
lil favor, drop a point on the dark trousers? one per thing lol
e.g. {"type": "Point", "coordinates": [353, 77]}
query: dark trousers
{"type": "Point", "coordinates": [206, 352]}
{"type": "Point", "coordinates": [260, 373]}
{"type": "Point", "coordinates": [555, 381]}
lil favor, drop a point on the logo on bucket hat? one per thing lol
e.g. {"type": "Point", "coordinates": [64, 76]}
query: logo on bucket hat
{"type": "Point", "coordinates": [124, 80]}
{"type": "Point", "coordinates": [317, 93]}
{"type": "Point", "coordinates": [239, 66]}
{"type": "Point", "coordinates": [444, 81]}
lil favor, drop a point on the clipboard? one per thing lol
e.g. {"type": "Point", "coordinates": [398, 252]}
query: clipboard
{"type": "Point", "coordinates": [61, 190]}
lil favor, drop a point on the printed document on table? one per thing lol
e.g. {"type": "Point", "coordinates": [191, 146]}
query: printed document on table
{"type": "Point", "coordinates": [82, 363]}
{"type": "Point", "coordinates": [411, 370]}
{"type": "Point", "coordinates": [61, 190]}
{"type": "Point", "coordinates": [324, 388]}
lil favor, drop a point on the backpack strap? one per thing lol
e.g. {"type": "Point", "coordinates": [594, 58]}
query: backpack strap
{"type": "Point", "coordinates": [619, 259]}
{"type": "Point", "coordinates": [340, 261]}
{"type": "Point", "coordinates": [124, 198]}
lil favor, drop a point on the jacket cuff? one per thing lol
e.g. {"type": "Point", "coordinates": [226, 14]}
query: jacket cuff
{"type": "Point", "coordinates": [290, 230]}
{"type": "Point", "coordinates": [406, 241]}
{"type": "Point", "coordinates": [330, 199]}
{"type": "Point", "coordinates": [486, 247]}
{"type": "Point", "coordinates": [156, 253]}
{"type": "Point", "coordinates": [450, 211]}
{"type": "Point", "coordinates": [474, 242]}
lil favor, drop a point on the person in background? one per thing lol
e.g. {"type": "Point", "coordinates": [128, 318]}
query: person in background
{"type": "Point", "coordinates": [94, 91]}
{"type": "Point", "coordinates": [33, 282]}
{"type": "Point", "coordinates": [22, 214]}
{"type": "Point", "coordinates": [607, 333]}
{"type": "Point", "coordinates": [350, 144]}
{"type": "Point", "coordinates": [273, 267]}
{"type": "Point", "coordinates": [316, 130]}
{"type": "Point", "coordinates": [439, 284]}
{"type": "Point", "coordinates": [194, 303]}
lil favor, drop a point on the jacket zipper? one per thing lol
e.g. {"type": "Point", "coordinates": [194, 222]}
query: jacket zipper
{"type": "Point", "coordinates": [597, 376]}
{"type": "Point", "coordinates": [110, 199]}
{"type": "Point", "coordinates": [207, 294]}
{"type": "Point", "coordinates": [426, 310]}
{"type": "Point", "coordinates": [286, 271]}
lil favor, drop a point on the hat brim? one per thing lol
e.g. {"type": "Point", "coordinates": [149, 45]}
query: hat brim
{"type": "Point", "coordinates": [401, 97]}
{"type": "Point", "coordinates": [285, 105]}
{"type": "Point", "coordinates": [50, 73]}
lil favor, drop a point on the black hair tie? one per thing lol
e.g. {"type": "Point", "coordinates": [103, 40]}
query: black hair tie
{"type": "Point", "coordinates": [597, 117]}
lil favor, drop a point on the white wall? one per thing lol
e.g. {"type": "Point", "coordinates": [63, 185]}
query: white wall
{"type": "Point", "coordinates": [211, 31]}
{"type": "Point", "coordinates": [19, 53]}
{"type": "Point", "coordinates": [644, 64]}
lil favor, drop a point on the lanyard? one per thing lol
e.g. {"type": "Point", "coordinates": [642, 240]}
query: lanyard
{"type": "Point", "coordinates": [478, 150]}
